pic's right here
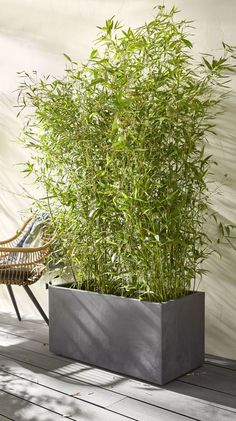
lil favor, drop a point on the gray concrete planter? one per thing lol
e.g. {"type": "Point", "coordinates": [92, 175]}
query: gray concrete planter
{"type": "Point", "coordinates": [154, 342]}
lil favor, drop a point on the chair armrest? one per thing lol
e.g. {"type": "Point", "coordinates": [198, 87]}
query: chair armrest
{"type": "Point", "coordinates": [45, 247]}
{"type": "Point", "coordinates": [18, 257]}
{"type": "Point", "coordinates": [18, 232]}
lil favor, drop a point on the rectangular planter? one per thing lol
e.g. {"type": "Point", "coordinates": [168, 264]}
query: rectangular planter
{"type": "Point", "coordinates": [154, 342]}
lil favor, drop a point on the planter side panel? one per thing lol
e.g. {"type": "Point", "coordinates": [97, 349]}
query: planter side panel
{"type": "Point", "coordinates": [183, 335]}
{"type": "Point", "coordinates": [114, 333]}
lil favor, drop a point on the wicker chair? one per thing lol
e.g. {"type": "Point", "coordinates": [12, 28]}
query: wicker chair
{"type": "Point", "coordinates": [22, 265]}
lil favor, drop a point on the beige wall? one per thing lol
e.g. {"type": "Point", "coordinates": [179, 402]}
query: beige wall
{"type": "Point", "coordinates": [33, 35]}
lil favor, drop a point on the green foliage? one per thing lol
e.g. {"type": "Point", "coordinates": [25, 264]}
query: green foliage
{"type": "Point", "coordinates": [118, 143]}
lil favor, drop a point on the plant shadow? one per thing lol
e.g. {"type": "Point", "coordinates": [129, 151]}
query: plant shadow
{"type": "Point", "coordinates": [32, 378]}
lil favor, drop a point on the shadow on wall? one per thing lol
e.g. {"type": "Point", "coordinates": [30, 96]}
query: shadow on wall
{"type": "Point", "coordinates": [219, 283]}
{"type": "Point", "coordinates": [223, 149]}
{"type": "Point", "coordinates": [12, 182]}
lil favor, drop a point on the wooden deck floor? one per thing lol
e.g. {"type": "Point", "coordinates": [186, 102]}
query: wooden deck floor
{"type": "Point", "coordinates": [36, 385]}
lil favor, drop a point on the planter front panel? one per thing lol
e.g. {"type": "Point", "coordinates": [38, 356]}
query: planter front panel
{"type": "Point", "coordinates": [123, 335]}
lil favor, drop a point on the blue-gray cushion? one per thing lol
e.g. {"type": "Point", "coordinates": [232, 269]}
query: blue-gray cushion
{"type": "Point", "coordinates": [34, 235]}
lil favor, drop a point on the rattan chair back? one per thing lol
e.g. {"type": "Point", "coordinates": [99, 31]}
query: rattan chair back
{"type": "Point", "coordinates": [22, 265]}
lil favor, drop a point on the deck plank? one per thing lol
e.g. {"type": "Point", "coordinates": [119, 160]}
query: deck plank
{"type": "Point", "coordinates": [142, 411]}
{"type": "Point", "coordinates": [184, 401]}
{"type": "Point", "coordinates": [56, 402]}
{"type": "Point", "coordinates": [18, 409]}
{"type": "Point", "coordinates": [213, 377]}
{"type": "Point", "coordinates": [26, 332]}
{"type": "Point", "coordinates": [76, 409]}
{"type": "Point", "coordinates": [142, 392]}
{"type": "Point", "coordinates": [77, 373]}
{"type": "Point", "coordinates": [220, 362]}
{"type": "Point", "coordinates": [206, 394]}
{"type": "Point", "coordinates": [2, 418]}
{"type": "Point", "coordinates": [73, 407]}
{"type": "Point", "coordinates": [69, 387]}
{"type": "Point", "coordinates": [78, 392]}
{"type": "Point", "coordinates": [10, 317]}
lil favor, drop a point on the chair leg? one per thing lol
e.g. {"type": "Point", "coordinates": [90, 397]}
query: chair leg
{"type": "Point", "coordinates": [36, 303]}
{"type": "Point", "coordinates": [10, 290]}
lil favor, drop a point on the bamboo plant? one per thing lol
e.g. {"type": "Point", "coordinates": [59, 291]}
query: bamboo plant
{"type": "Point", "coordinates": [119, 145]}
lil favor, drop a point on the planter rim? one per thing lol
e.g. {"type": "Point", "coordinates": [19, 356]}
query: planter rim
{"type": "Point", "coordinates": [65, 286]}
